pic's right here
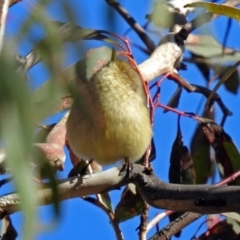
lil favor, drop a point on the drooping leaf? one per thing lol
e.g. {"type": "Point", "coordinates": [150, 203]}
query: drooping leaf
{"type": "Point", "coordinates": [8, 231]}
{"type": "Point", "coordinates": [174, 101]}
{"type": "Point", "coordinates": [200, 149]}
{"type": "Point", "coordinates": [235, 225]}
{"type": "Point", "coordinates": [107, 200]}
{"type": "Point", "coordinates": [202, 66]}
{"type": "Point", "coordinates": [221, 230]}
{"type": "Point", "coordinates": [47, 171]}
{"type": "Point", "coordinates": [223, 79]}
{"type": "Point", "coordinates": [208, 47]}
{"type": "Point", "coordinates": [227, 154]}
{"type": "Point", "coordinates": [181, 166]}
{"type": "Point", "coordinates": [181, 169]}
{"type": "Point", "coordinates": [130, 205]}
{"type": "Point", "coordinates": [17, 123]}
{"type": "Point", "coordinates": [232, 83]}
{"type": "Point", "coordinates": [220, 9]}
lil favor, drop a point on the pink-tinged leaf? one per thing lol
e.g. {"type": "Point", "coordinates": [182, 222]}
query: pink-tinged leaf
{"type": "Point", "coordinates": [96, 59]}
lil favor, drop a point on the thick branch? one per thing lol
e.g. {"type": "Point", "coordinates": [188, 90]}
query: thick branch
{"type": "Point", "coordinates": [186, 198]}
{"type": "Point", "coordinates": [133, 24]}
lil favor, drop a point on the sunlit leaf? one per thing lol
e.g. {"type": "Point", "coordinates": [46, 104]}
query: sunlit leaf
{"type": "Point", "coordinates": [96, 59]}
{"type": "Point", "coordinates": [232, 215]}
{"type": "Point", "coordinates": [220, 9]}
{"type": "Point", "coordinates": [107, 200]}
{"type": "Point", "coordinates": [164, 16]}
{"type": "Point", "coordinates": [208, 47]}
{"type": "Point", "coordinates": [17, 123]}
{"type": "Point", "coordinates": [47, 171]}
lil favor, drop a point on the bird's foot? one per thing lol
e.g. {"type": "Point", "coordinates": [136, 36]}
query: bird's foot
{"type": "Point", "coordinates": [127, 166]}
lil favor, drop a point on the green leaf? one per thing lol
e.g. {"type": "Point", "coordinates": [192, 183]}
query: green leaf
{"type": "Point", "coordinates": [96, 59]}
{"type": "Point", "coordinates": [217, 9]}
{"type": "Point", "coordinates": [17, 123]}
{"type": "Point", "coordinates": [200, 149]}
{"type": "Point", "coordinates": [164, 16]}
{"type": "Point", "coordinates": [232, 83]}
{"type": "Point", "coordinates": [42, 96]}
{"type": "Point", "coordinates": [227, 154]}
{"type": "Point", "coordinates": [208, 47]}
{"type": "Point", "coordinates": [107, 200]}
{"type": "Point", "coordinates": [232, 215]}
{"type": "Point", "coordinates": [130, 205]}
{"type": "Point", "coordinates": [48, 171]}
{"type": "Point", "coordinates": [224, 78]}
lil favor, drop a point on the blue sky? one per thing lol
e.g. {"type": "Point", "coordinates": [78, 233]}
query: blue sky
{"type": "Point", "coordinates": [79, 219]}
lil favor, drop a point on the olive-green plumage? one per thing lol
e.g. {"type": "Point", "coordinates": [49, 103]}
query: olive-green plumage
{"type": "Point", "coordinates": [110, 120]}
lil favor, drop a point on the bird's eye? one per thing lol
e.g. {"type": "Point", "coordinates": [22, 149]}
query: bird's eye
{"type": "Point", "coordinates": [125, 74]}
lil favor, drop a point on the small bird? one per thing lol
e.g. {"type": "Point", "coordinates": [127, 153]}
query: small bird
{"type": "Point", "coordinates": [109, 119]}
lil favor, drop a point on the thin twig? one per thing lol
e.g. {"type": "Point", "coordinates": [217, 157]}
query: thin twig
{"type": "Point", "coordinates": [3, 16]}
{"type": "Point", "coordinates": [99, 203]}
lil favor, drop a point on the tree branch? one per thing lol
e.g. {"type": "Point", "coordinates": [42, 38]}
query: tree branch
{"type": "Point", "coordinates": [202, 199]}
{"type": "Point", "coordinates": [133, 24]}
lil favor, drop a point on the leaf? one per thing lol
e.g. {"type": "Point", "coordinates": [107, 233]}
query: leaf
{"type": "Point", "coordinates": [217, 9]}
{"type": "Point", "coordinates": [17, 123]}
{"type": "Point", "coordinates": [107, 200]}
{"type": "Point", "coordinates": [96, 59]}
{"type": "Point", "coordinates": [42, 98]}
{"type": "Point", "coordinates": [130, 205]}
{"type": "Point", "coordinates": [49, 172]}
{"type": "Point", "coordinates": [224, 78]}
{"type": "Point", "coordinates": [181, 166]}
{"type": "Point", "coordinates": [232, 83]}
{"type": "Point", "coordinates": [8, 231]}
{"type": "Point", "coordinates": [235, 226]}
{"type": "Point", "coordinates": [202, 66]}
{"type": "Point", "coordinates": [174, 101]}
{"type": "Point", "coordinates": [232, 215]}
{"type": "Point", "coordinates": [208, 47]}
{"type": "Point", "coordinates": [221, 230]}
{"type": "Point", "coordinates": [43, 132]}
{"type": "Point", "coordinates": [181, 169]}
{"type": "Point", "coordinates": [165, 16]}
{"type": "Point", "coordinates": [72, 33]}
{"type": "Point", "coordinates": [200, 149]}
{"type": "Point", "coordinates": [227, 154]}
